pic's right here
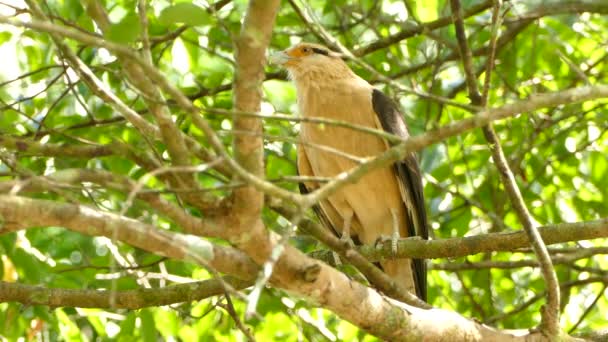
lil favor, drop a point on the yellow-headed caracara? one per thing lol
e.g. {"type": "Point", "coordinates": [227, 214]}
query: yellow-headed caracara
{"type": "Point", "coordinates": [385, 200]}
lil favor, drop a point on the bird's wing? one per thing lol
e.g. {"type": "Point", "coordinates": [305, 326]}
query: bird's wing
{"type": "Point", "coordinates": [410, 181]}
{"type": "Point", "coordinates": [304, 169]}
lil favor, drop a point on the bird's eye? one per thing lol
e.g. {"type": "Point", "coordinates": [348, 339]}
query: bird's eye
{"type": "Point", "coordinates": [306, 50]}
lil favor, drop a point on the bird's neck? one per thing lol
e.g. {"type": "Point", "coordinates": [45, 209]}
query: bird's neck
{"type": "Point", "coordinates": [315, 76]}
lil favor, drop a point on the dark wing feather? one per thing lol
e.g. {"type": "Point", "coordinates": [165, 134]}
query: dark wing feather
{"type": "Point", "coordinates": [325, 222]}
{"type": "Point", "coordinates": [318, 210]}
{"type": "Point", "coordinates": [408, 172]}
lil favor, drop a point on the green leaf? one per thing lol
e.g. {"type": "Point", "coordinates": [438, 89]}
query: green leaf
{"type": "Point", "coordinates": [427, 11]}
{"type": "Point", "coordinates": [28, 265]}
{"type": "Point", "coordinates": [186, 13]}
{"type": "Point", "coordinates": [4, 37]}
{"type": "Point", "coordinates": [127, 327]}
{"type": "Point", "coordinates": [148, 330]}
{"type": "Point", "coordinates": [69, 330]}
{"type": "Point", "coordinates": [126, 31]}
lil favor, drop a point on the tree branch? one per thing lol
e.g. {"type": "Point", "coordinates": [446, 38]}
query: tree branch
{"type": "Point", "coordinates": [22, 213]}
{"type": "Point", "coordinates": [109, 299]}
{"type": "Point", "coordinates": [544, 9]}
{"type": "Point", "coordinates": [557, 260]}
{"type": "Point", "coordinates": [493, 242]}
{"type": "Point", "coordinates": [418, 29]}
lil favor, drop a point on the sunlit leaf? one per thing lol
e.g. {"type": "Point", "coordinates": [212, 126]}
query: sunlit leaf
{"type": "Point", "coordinates": [125, 31]}
{"type": "Point", "coordinates": [186, 13]}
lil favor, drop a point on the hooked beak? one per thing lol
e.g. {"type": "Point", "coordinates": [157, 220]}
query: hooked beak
{"type": "Point", "coordinates": [280, 58]}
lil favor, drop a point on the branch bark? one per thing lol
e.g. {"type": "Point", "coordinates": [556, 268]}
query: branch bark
{"type": "Point", "coordinates": [249, 149]}
{"type": "Point", "coordinates": [110, 299]}
{"type": "Point", "coordinates": [493, 242]}
{"type": "Point", "coordinates": [22, 213]}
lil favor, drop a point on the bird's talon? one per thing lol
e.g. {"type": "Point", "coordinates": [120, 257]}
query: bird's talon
{"type": "Point", "coordinates": [394, 243]}
{"type": "Point", "coordinates": [396, 235]}
{"type": "Point", "coordinates": [347, 242]}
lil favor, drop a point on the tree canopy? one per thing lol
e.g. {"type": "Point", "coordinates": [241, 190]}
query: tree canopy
{"type": "Point", "coordinates": [148, 185]}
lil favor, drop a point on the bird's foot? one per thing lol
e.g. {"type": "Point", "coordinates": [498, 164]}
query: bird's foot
{"type": "Point", "coordinates": [394, 241]}
{"type": "Point", "coordinates": [347, 241]}
{"type": "Point", "coordinates": [382, 240]}
{"type": "Point", "coordinates": [395, 236]}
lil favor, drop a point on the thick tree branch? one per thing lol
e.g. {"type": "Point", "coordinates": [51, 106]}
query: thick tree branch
{"type": "Point", "coordinates": [19, 213]}
{"type": "Point", "coordinates": [249, 149]}
{"type": "Point", "coordinates": [493, 242]}
{"type": "Point", "coordinates": [559, 259]}
{"type": "Point", "coordinates": [109, 299]}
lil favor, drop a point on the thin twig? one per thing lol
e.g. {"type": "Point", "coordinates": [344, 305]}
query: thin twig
{"type": "Point", "coordinates": [316, 120]}
{"type": "Point", "coordinates": [145, 37]}
{"type": "Point", "coordinates": [560, 259]}
{"type": "Point", "coordinates": [237, 320]}
{"type": "Point", "coordinates": [538, 296]}
{"type": "Point", "coordinates": [590, 307]}
{"type": "Point", "coordinates": [125, 299]}
{"type": "Point", "coordinates": [135, 190]}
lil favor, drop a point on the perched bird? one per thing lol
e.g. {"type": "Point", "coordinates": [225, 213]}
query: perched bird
{"type": "Point", "coordinates": [385, 202]}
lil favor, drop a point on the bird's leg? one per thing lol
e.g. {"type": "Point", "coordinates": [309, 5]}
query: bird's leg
{"type": "Point", "coordinates": [345, 235]}
{"type": "Point", "coordinates": [395, 236]}
{"type": "Point", "coordinates": [345, 238]}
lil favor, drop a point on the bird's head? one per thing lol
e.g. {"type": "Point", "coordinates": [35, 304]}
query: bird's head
{"type": "Point", "coordinates": [310, 60]}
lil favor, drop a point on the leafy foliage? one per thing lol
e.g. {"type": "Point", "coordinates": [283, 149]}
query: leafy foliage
{"type": "Point", "coordinates": [558, 156]}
